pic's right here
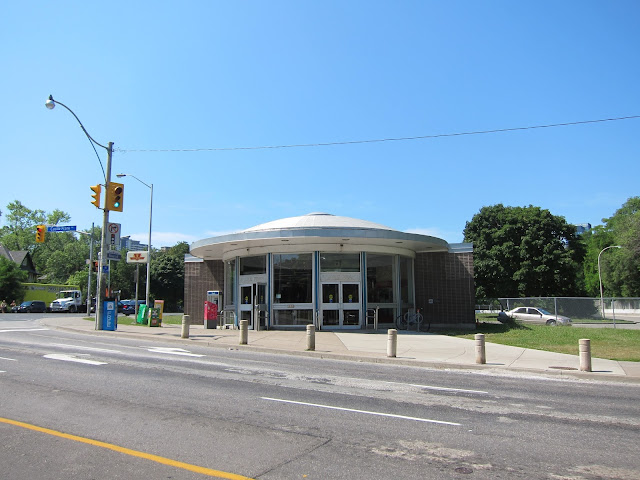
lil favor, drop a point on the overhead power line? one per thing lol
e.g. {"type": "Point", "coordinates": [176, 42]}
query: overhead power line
{"type": "Point", "coordinates": [378, 140]}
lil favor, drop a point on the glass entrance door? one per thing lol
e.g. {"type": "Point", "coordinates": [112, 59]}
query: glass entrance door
{"type": "Point", "coordinates": [253, 301]}
{"type": "Point", "coordinates": [341, 304]}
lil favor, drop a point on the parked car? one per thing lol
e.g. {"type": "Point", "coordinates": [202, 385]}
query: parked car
{"type": "Point", "coordinates": [32, 306]}
{"type": "Point", "coordinates": [129, 306]}
{"type": "Point", "coordinates": [534, 315]}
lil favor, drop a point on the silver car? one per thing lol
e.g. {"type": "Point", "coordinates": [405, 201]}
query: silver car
{"type": "Point", "coordinates": [534, 315]}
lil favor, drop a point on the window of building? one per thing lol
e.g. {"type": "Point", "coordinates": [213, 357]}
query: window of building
{"type": "Point", "coordinates": [380, 275]}
{"type": "Point", "coordinates": [293, 317]}
{"type": "Point", "coordinates": [406, 280]}
{"type": "Point", "coordinates": [339, 262]}
{"type": "Point", "coordinates": [253, 265]}
{"type": "Point", "coordinates": [292, 278]}
{"type": "Point", "coordinates": [230, 282]}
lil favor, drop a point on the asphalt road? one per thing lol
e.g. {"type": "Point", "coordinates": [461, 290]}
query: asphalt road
{"type": "Point", "coordinates": [281, 417]}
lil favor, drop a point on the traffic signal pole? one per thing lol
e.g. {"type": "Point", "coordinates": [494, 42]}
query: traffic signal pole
{"type": "Point", "coordinates": [103, 245]}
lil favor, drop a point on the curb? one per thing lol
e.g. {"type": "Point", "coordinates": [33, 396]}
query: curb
{"type": "Point", "coordinates": [484, 369]}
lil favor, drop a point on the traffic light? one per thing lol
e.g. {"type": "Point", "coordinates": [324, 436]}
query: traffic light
{"type": "Point", "coordinates": [94, 267]}
{"type": "Point", "coordinates": [114, 196]}
{"type": "Point", "coordinates": [96, 195]}
{"type": "Point", "coordinates": [40, 231]}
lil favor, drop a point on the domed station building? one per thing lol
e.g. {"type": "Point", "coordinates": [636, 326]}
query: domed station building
{"type": "Point", "coordinates": [337, 273]}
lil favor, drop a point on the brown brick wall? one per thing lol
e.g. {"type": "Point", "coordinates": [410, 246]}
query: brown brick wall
{"type": "Point", "coordinates": [199, 277]}
{"type": "Point", "coordinates": [447, 279]}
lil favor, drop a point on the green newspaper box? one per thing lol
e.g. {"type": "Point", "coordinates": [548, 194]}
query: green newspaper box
{"type": "Point", "coordinates": [142, 314]}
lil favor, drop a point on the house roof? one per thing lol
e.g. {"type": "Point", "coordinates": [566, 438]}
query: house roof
{"type": "Point", "coordinates": [21, 257]}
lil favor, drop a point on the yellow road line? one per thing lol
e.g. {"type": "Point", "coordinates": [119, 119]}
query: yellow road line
{"type": "Point", "coordinates": [127, 451]}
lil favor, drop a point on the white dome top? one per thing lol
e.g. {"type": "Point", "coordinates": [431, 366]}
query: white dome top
{"type": "Point", "coordinates": [317, 220]}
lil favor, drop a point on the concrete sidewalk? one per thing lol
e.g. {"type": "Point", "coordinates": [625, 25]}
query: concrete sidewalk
{"type": "Point", "coordinates": [417, 349]}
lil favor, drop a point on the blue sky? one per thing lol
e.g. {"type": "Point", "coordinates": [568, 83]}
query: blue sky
{"type": "Point", "coordinates": [159, 77]}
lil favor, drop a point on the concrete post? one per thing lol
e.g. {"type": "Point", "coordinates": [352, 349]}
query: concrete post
{"type": "Point", "coordinates": [311, 337]}
{"type": "Point", "coordinates": [244, 332]}
{"type": "Point", "coordinates": [481, 356]}
{"type": "Point", "coordinates": [392, 342]}
{"type": "Point", "coordinates": [585, 354]}
{"type": "Point", "coordinates": [185, 326]}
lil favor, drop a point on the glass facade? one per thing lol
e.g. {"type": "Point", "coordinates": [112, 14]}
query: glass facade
{"type": "Point", "coordinates": [380, 278]}
{"type": "Point", "coordinates": [297, 291]}
{"type": "Point", "coordinates": [406, 281]}
{"type": "Point", "coordinates": [253, 265]}
{"type": "Point", "coordinates": [230, 282]}
{"type": "Point", "coordinates": [339, 262]}
{"type": "Point", "coordinates": [292, 278]}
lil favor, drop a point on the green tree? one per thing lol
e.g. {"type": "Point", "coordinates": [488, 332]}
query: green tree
{"type": "Point", "coordinates": [167, 275]}
{"type": "Point", "coordinates": [524, 251]}
{"type": "Point", "coordinates": [11, 281]}
{"type": "Point", "coordinates": [620, 268]}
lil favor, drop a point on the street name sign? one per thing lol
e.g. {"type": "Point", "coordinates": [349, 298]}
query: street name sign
{"type": "Point", "coordinates": [61, 228]}
{"type": "Point", "coordinates": [113, 255]}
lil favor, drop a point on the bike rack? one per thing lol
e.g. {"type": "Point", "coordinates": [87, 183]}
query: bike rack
{"type": "Point", "coordinates": [372, 314]}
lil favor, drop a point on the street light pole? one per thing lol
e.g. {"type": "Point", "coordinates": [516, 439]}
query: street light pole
{"type": "Point", "coordinates": [50, 104]}
{"type": "Point", "coordinates": [600, 278]}
{"type": "Point", "coordinates": [150, 187]}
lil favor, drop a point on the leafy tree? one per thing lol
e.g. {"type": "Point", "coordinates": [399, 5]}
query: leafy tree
{"type": "Point", "coordinates": [524, 251]}
{"type": "Point", "coordinates": [167, 275]}
{"type": "Point", "coordinates": [620, 268]}
{"type": "Point", "coordinates": [11, 279]}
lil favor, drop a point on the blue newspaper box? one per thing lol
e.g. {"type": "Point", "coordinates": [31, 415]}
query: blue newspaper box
{"type": "Point", "coordinates": [109, 315]}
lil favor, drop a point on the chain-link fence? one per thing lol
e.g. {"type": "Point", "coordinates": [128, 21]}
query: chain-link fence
{"type": "Point", "coordinates": [576, 308]}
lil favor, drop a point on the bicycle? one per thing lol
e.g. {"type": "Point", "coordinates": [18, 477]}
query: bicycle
{"type": "Point", "coordinates": [403, 322]}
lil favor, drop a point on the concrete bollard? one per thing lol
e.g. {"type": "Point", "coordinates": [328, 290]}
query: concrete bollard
{"type": "Point", "coordinates": [392, 342]}
{"type": "Point", "coordinates": [481, 355]}
{"type": "Point", "coordinates": [244, 332]}
{"type": "Point", "coordinates": [311, 337]}
{"type": "Point", "coordinates": [185, 326]}
{"type": "Point", "coordinates": [585, 354]}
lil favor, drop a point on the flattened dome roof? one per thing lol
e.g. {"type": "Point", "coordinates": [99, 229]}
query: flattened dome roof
{"type": "Point", "coordinates": [316, 220]}
{"type": "Point", "coordinates": [316, 231]}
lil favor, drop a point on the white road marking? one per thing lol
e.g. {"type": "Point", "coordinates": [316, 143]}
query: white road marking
{"type": "Point", "coordinates": [331, 407]}
{"type": "Point", "coordinates": [71, 358]}
{"type": "Point", "coordinates": [22, 330]}
{"type": "Point", "coordinates": [78, 347]}
{"type": "Point", "coordinates": [10, 359]}
{"type": "Point", "coordinates": [447, 389]}
{"type": "Point", "coordinates": [173, 351]}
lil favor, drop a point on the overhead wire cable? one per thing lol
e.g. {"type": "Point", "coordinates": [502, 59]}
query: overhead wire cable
{"type": "Point", "coordinates": [379, 140]}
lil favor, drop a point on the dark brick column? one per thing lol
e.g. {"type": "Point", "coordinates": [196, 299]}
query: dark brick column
{"type": "Point", "coordinates": [447, 280]}
{"type": "Point", "coordinates": [199, 277]}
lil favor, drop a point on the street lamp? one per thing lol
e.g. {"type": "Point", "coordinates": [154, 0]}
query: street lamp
{"type": "Point", "coordinates": [50, 104]}
{"type": "Point", "coordinates": [600, 278]}
{"type": "Point", "coordinates": [150, 187]}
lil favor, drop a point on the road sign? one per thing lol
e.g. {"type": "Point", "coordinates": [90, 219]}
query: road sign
{"type": "Point", "coordinates": [113, 230]}
{"type": "Point", "coordinates": [61, 228]}
{"type": "Point", "coordinates": [137, 257]}
{"type": "Point", "coordinates": [113, 255]}
{"type": "Point", "coordinates": [105, 269]}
